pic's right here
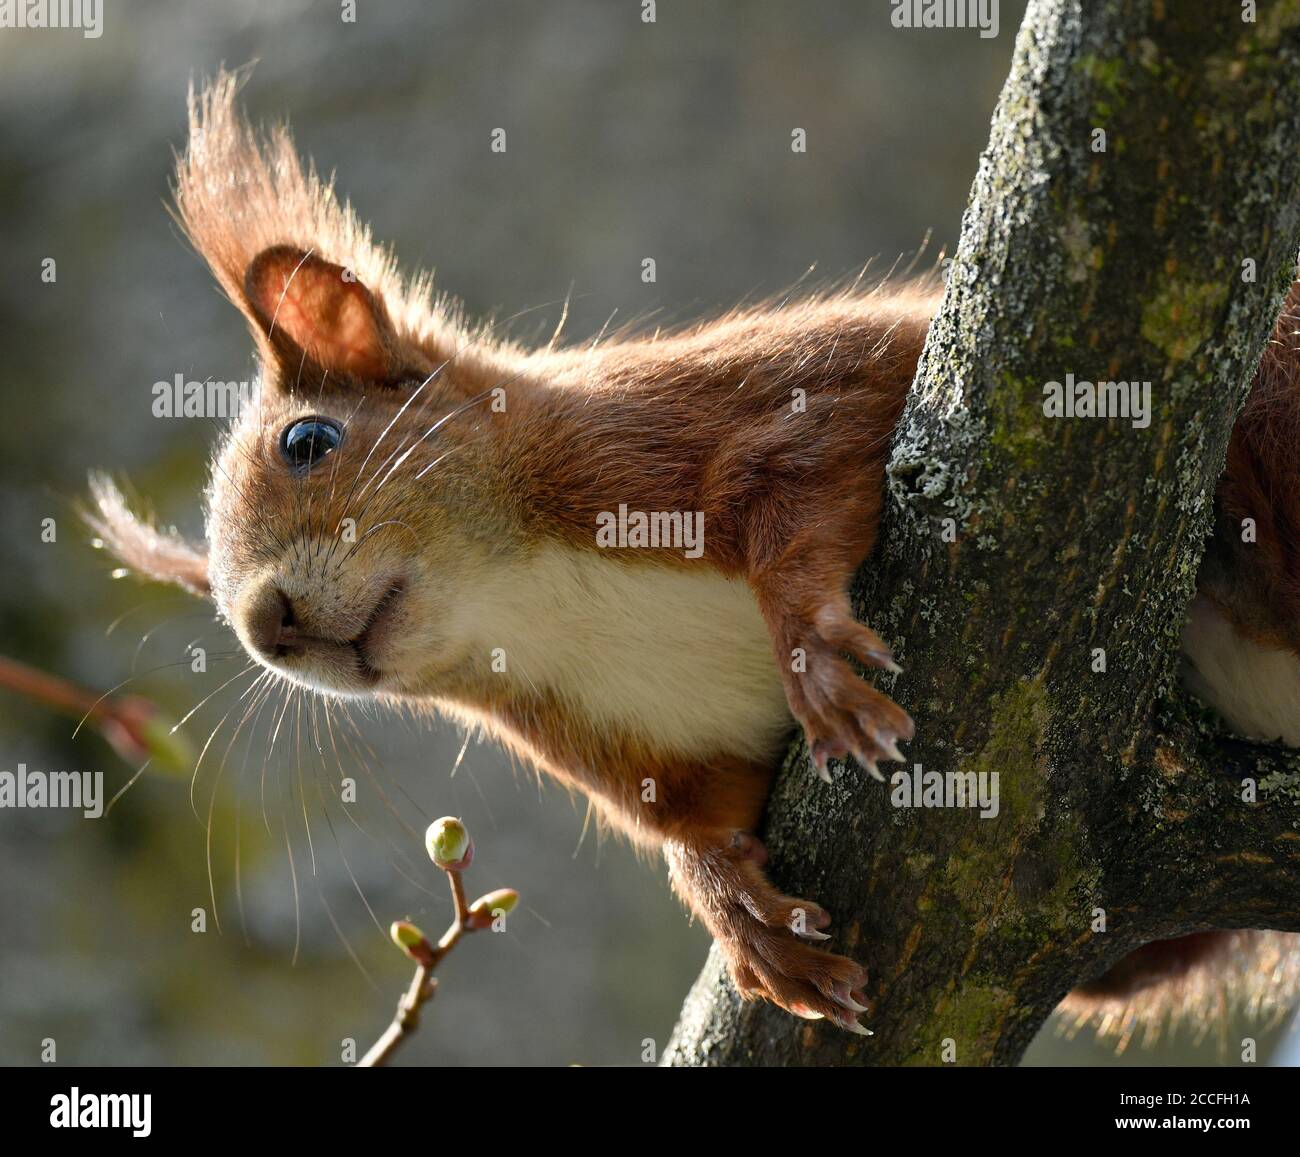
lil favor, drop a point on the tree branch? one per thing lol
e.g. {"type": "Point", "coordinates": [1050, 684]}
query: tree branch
{"type": "Point", "coordinates": [1218, 818]}
{"type": "Point", "coordinates": [1019, 547]}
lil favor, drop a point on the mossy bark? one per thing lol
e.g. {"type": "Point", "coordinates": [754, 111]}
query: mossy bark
{"type": "Point", "coordinates": [1072, 538]}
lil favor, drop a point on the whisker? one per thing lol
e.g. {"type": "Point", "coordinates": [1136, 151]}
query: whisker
{"type": "Point", "coordinates": [130, 783]}
{"type": "Point", "coordinates": [212, 801]}
{"type": "Point", "coordinates": [149, 634]}
{"type": "Point", "coordinates": [356, 884]}
{"type": "Point", "coordinates": [118, 686]}
{"type": "Point", "coordinates": [275, 735]}
{"type": "Point", "coordinates": [476, 339]}
{"type": "Point", "coordinates": [302, 795]}
{"type": "Point", "coordinates": [194, 779]}
{"type": "Point", "coordinates": [378, 526]}
{"type": "Point", "coordinates": [347, 944]}
{"type": "Point", "coordinates": [145, 606]}
{"type": "Point", "coordinates": [256, 706]}
{"type": "Point", "coordinates": [189, 714]}
{"type": "Point", "coordinates": [297, 907]}
{"type": "Point", "coordinates": [453, 413]}
{"type": "Point", "coordinates": [334, 472]}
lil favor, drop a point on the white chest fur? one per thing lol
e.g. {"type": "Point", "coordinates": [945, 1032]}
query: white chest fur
{"type": "Point", "coordinates": [677, 657]}
{"type": "Point", "coordinates": [1256, 689]}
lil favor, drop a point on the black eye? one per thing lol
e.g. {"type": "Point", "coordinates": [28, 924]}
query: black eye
{"type": "Point", "coordinates": [308, 440]}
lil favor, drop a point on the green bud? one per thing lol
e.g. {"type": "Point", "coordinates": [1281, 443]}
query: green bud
{"type": "Point", "coordinates": [138, 731]}
{"type": "Point", "coordinates": [411, 940]}
{"type": "Point", "coordinates": [487, 908]}
{"type": "Point", "coordinates": [172, 753]}
{"type": "Point", "coordinates": [449, 844]}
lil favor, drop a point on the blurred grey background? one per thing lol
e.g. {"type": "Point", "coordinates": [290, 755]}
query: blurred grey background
{"type": "Point", "coordinates": [626, 140]}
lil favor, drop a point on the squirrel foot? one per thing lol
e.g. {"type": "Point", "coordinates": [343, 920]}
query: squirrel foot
{"type": "Point", "coordinates": [763, 933]}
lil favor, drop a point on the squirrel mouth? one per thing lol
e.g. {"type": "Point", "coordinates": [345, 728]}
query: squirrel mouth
{"type": "Point", "coordinates": [374, 636]}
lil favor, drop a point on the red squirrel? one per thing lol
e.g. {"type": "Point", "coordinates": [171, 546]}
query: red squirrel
{"type": "Point", "coordinates": [476, 475]}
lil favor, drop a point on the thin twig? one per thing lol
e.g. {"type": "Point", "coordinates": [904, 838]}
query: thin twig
{"type": "Point", "coordinates": [423, 984]}
{"type": "Point", "coordinates": [132, 724]}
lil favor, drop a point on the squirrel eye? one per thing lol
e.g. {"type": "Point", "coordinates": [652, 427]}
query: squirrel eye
{"type": "Point", "coordinates": [308, 440]}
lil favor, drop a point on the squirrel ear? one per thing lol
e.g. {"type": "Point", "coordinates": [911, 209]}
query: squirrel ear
{"type": "Point", "coordinates": [309, 307]}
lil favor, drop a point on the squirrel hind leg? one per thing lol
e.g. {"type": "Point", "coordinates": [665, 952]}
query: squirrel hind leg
{"type": "Point", "coordinates": [763, 933]}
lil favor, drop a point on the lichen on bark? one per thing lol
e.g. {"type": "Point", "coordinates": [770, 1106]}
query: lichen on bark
{"type": "Point", "coordinates": [1074, 537]}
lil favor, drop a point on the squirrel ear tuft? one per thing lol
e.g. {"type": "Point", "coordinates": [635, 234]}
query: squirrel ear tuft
{"type": "Point", "coordinates": [309, 308]}
{"type": "Point", "coordinates": [269, 227]}
{"type": "Point", "coordinates": [152, 553]}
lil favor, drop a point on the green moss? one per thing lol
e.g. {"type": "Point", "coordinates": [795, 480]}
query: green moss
{"type": "Point", "coordinates": [1014, 751]}
{"type": "Point", "coordinates": [973, 1018]}
{"type": "Point", "coordinates": [1021, 439]}
{"type": "Point", "coordinates": [1272, 20]}
{"type": "Point", "coordinates": [1108, 81]}
{"type": "Point", "coordinates": [919, 864]}
{"type": "Point", "coordinates": [974, 874]}
{"type": "Point", "coordinates": [1017, 734]}
{"type": "Point", "coordinates": [1179, 320]}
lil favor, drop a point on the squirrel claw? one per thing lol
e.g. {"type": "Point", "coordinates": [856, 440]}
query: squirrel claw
{"type": "Point", "coordinates": [840, 713]}
{"type": "Point", "coordinates": [821, 751]}
{"type": "Point", "coordinates": [819, 769]}
{"type": "Point", "coordinates": [890, 748]}
{"type": "Point", "coordinates": [844, 997]}
{"type": "Point", "coordinates": [882, 659]}
{"type": "Point", "coordinates": [869, 765]}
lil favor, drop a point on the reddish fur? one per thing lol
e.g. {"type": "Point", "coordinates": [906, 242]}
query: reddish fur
{"type": "Point", "coordinates": [703, 422]}
{"type": "Point", "coordinates": [694, 421]}
{"type": "Point", "coordinates": [309, 305]}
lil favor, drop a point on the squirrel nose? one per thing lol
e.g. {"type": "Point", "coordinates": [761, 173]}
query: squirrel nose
{"type": "Point", "coordinates": [270, 623]}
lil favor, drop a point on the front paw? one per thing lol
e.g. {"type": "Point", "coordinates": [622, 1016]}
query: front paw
{"type": "Point", "coordinates": [841, 714]}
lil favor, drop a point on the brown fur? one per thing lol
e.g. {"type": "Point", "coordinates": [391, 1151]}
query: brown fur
{"type": "Point", "coordinates": [699, 420]}
{"type": "Point", "coordinates": [1191, 984]}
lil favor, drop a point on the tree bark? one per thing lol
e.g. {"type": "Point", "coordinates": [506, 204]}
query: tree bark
{"type": "Point", "coordinates": [1070, 538]}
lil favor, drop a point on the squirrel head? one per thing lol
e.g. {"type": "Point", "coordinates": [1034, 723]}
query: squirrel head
{"type": "Point", "coordinates": [331, 550]}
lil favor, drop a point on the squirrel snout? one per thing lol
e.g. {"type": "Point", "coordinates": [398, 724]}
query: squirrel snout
{"type": "Point", "coordinates": [328, 640]}
{"type": "Point", "coordinates": [269, 623]}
